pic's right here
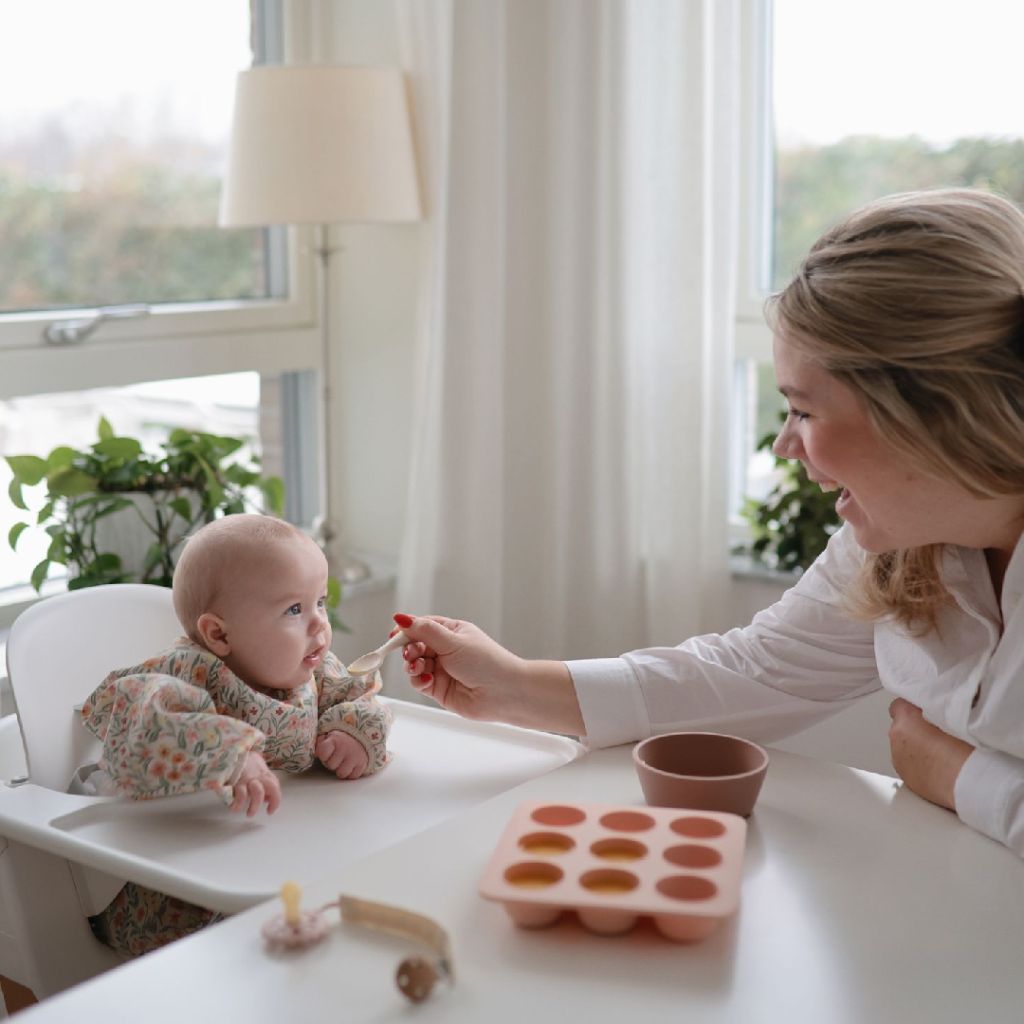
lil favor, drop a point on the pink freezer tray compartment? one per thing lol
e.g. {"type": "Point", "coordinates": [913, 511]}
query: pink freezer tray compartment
{"type": "Point", "coordinates": [613, 864]}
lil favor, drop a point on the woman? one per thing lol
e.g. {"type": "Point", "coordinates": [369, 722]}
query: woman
{"type": "Point", "coordinates": [899, 346]}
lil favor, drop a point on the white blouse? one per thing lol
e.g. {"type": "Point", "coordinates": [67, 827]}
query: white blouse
{"type": "Point", "coordinates": [804, 658]}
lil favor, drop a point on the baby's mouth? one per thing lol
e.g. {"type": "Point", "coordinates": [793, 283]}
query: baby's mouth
{"type": "Point", "coordinates": [314, 656]}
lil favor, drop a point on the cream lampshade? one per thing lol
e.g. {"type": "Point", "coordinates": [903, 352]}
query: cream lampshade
{"type": "Point", "coordinates": [320, 145]}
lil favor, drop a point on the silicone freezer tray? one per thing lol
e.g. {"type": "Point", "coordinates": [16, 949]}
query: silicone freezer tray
{"type": "Point", "coordinates": [614, 864]}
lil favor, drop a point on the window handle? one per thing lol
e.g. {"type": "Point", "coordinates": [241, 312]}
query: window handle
{"type": "Point", "coordinates": [71, 332]}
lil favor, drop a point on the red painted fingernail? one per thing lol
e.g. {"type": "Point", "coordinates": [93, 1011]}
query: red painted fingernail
{"type": "Point", "coordinates": [392, 633]}
{"type": "Point", "coordinates": [426, 677]}
{"type": "Point", "coordinates": [403, 620]}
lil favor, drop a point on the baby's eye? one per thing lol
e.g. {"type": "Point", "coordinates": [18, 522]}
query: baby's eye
{"type": "Point", "coordinates": [322, 603]}
{"type": "Point", "coordinates": [296, 609]}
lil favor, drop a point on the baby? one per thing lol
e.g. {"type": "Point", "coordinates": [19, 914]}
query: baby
{"type": "Point", "coordinates": [252, 686]}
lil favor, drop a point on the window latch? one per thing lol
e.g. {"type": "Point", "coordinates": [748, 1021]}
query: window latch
{"type": "Point", "coordinates": [72, 332]}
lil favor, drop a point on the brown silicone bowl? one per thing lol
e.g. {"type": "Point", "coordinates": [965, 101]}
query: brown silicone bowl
{"type": "Point", "coordinates": [707, 771]}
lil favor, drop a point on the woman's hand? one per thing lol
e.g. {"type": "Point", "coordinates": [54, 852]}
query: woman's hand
{"type": "Point", "coordinates": [927, 759]}
{"type": "Point", "coordinates": [256, 785]}
{"type": "Point", "coordinates": [465, 671]}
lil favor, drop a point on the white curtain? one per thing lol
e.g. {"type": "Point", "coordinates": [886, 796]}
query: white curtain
{"type": "Point", "coordinates": [568, 487]}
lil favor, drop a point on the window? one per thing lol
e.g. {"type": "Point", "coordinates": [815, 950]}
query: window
{"type": "Point", "coordinates": [115, 131]}
{"type": "Point", "coordinates": [856, 102]}
{"type": "Point", "coordinates": [110, 189]}
{"type": "Point", "coordinates": [114, 138]}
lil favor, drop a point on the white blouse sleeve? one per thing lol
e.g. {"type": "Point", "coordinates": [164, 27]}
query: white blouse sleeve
{"type": "Point", "coordinates": [989, 796]}
{"type": "Point", "coordinates": [799, 661]}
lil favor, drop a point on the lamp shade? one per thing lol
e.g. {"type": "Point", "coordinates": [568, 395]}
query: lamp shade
{"type": "Point", "coordinates": [317, 145]}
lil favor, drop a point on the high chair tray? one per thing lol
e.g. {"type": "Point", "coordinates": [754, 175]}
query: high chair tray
{"type": "Point", "coordinates": [192, 847]}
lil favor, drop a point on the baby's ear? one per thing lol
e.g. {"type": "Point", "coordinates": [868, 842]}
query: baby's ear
{"type": "Point", "coordinates": [211, 632]}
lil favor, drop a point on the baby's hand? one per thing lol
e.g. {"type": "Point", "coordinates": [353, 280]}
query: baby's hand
{"type": "Point", "coordinates": [342, 754]}
{"type": "Point", "coordinates": [256, 785]}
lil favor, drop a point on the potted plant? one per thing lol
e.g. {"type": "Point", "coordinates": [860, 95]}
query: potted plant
{"type": "Point", "coordinates": [118, 514]}
{"type": "Point", "coordinates": [792, 525]}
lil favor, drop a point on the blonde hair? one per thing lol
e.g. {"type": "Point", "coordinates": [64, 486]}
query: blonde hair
{"type": "Point", "coordinates": [212, 557]}
{"type": "Point", "coordinates": [916, 301]}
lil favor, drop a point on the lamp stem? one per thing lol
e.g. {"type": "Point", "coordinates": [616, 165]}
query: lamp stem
{"type": "Point", "coordinates": [344, 567]}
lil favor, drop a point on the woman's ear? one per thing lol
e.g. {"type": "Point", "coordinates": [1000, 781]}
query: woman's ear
{"type": "Point", "coordinates": [212, 634]}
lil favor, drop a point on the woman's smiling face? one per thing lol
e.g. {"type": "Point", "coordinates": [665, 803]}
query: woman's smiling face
{"type": "Point", "coordinates": [888, 503]}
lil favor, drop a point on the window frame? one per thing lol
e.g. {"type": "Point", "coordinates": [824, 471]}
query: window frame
{"type": "Point", "coordinates": [753, 338]}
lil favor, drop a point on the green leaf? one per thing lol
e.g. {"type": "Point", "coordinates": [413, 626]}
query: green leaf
{"type": "Point", "coordinates": [107, 562]}
{"type": "Point", "coordinates": [154, 556]}
{"type": "Point", "coordinates": [56, 550]}
{"type": "Point", "coordinates": [45, 512]}
{"type": "Point", "coordinates": [238, 474]}
{"type": "Point", "coordinates": [214, 493]}
{"type": "Point", "coordinates": [60, 456]}
{"type": "Point", "coordinates": [333, 591]}
{"type": "Point", "coordinates": [178, 436]}
{"type": "Point", "coordinates": [68, 482]}
{"type": "Point", "coordinates": [14, 491]}
{"type": "Point", "coordinates": [118, 447]}
{"type": "Point", "coordinates": [273, 491]}
{"type": "Point", "coordinates": [104, 429]}
{"type": "Point", "coordinates": [27, 469]}
{"type": "Point", "coordinates": [227, 445]}
{"type": "Point", "coordinates": [182, 506]}
{"type": "Point", "coordinates": [39, 574]}
{"type": "Point", "coordinates": [111, 506]}
{"type": "Point", "coordinates": [15, 532]}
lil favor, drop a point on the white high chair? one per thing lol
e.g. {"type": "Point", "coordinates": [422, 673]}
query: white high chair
{"type": "Point", "coordinates": [63, 856]}
{"type": "Point", "coordinates": [57, 653]}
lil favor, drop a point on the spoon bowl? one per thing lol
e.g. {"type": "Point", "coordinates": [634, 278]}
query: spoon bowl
{"type": "Point", "coordinates": [372, 661]}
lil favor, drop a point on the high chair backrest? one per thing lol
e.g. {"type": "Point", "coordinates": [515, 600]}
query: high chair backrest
{"type": "Point", "coordinates": [60, 650]}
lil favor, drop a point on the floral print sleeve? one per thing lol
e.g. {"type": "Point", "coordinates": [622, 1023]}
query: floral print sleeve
{"type": "Point", "coordinates": [347, 703]}
{"type": "Point", "coordinates": [163, 736]}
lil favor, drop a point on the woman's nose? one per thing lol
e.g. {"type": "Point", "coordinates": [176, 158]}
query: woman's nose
{"type": "Point", "coordinates": [786, 445]}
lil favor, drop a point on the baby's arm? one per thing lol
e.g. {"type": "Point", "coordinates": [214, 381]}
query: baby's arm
{"type": "Point", "coordinates": [348, 706]}
{"type": "Point", "coordinates": [342, 754]}
{"type": "Point", "coordinates": [162, 737]}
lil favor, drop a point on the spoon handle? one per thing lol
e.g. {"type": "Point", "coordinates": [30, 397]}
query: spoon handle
{"type": "Point", "coordinates": [398, 640]}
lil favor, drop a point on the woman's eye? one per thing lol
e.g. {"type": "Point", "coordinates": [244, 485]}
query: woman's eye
{"type": "Point", "coordinates": [796, 414]}
{"type": "Point", "coordinates": [296, 609]}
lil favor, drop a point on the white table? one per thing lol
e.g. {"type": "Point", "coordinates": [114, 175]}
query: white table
{"type": "Point", "coordinates": [861, 904]}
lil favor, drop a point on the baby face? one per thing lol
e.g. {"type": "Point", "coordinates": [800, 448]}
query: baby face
{"type": "Point", "coordinates": [274, 615]}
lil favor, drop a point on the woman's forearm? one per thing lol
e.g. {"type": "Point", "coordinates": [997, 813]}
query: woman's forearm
{"type": "Point", "coordinates": [543, 698]}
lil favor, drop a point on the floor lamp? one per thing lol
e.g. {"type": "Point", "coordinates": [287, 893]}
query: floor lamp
{"type": "Point", "coordinates": [321, 145]}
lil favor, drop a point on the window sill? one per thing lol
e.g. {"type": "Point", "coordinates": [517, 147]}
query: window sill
{"type": "Point", "coordinates": [743, 567]}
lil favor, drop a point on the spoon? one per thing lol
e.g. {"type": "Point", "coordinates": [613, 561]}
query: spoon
{"type": "Point", "coordinates": [371, 662]}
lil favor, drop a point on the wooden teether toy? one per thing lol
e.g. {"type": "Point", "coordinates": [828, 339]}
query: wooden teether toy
{"type": "Point", "coordinates": [416, 975]}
